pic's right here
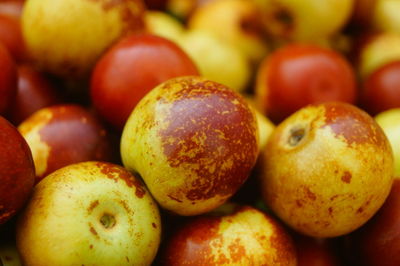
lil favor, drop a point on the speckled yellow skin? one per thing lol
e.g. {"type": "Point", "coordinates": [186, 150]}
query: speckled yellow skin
{"type": "Point", "coordinates": [66, 37]}
{"type": "Point", "coordinates": [62, 225]}
{"type": "Point", "coordinates": [193, 141]}
{"type": "Point", "coordinates": [244, 237]}
{"type": "Point", "coordinates": [332, 180]}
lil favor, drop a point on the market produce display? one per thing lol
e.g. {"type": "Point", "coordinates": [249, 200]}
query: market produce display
{"type": "Point", "coordinates": [200, 132]}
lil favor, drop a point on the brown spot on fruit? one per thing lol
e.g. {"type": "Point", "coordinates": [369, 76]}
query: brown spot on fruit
{"type": "Point", "coordinates": [346, 177]}
{"type": "Point", "coordinates": [91, 246]}
{"type": "Point", "coordinates": [309, 194]}
{"type": "Point", "coordinates": [174, 198]}
{"type": "Point", "coordinates": [93, 205]}
{"type": "Point", "coordinates": [236, 250]}
{"type": "Point", "coordinates": [93, 231]}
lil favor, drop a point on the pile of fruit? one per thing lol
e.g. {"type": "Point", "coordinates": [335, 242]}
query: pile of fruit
{"type": "Point", "coordinates": [200, 132]}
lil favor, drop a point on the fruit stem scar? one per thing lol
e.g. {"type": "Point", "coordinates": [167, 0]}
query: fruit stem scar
{"type": "Point", "coordinates": [296, 135]}
{"type": "Point", "coordinates": [107, 220]}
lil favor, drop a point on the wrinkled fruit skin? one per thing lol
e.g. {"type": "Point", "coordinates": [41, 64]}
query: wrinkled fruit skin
{"type": "Point", "coordinates": [244, 237]}
{"type": "Point", "coordinates": [193, 141]}
{"type": "Point", "coordinates": [17, 172]}
{"type": "Point", "coordinates": [90, 213]}
{"type": "Point", "coordinates": [327, 169]}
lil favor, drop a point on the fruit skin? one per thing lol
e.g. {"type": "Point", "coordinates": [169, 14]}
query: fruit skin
{"type": "Point", "coordinates": [300, 74]}
{"type": "Point", "coordinates": [386, 16]}
{"type": "Point", "coordinates": [68, 36]}
{"type": "Point", "coordinates": [193, 141]}
{"type": "Point", "coordinates": [8, 80]}
{"type": "Point", "coordinates": [17, 172]}
{"type": "Point", "coordinates": [377, 243]}
{"type": "Point", "coordinates": [11, 37]}
{"type": "Point", "coordinates": [91, 213]}
{"type": "Point", "coordinates": [389, 121]}
{"type": "Point", "coordinates": [130, 69]}
{"type": "Point", "coordinates": [63, 134]}
{"type": "Point", "coordinates": [381, 88]}
{"type": "Point", "coordinates": [327, 169]}
{"type": "Point", "coordinates": [243, 236]}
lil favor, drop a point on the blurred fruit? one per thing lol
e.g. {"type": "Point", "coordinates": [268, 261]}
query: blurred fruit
{"type": "Point", "coordinates": [9, 254]}
{"type": "Point", "coordinates": [130, 69]}
{"type": "Point", "coordinates": [386, 16]}
{"type": "Point", "coordinates": [11, 37]}
{"type": "Point", "coordinates": [17, 172]}
{"type": "Point", "coordinates": [314, 251]}
{"type": "Point", "coordinates": [297, 75]}
{"type": "Point", "coordinates": [362, 13]}
{"type": "Point", "coordinates": [327, 169]}
{"type": "Point", "coordinates": [156, 4]}
{"type": "Point", "coordinates": [60, 135]}
{"type": "Point", "coordinates": [381, 89]}
{"type": "Point", "coordinates": [243, 236]}
{"type": "Point", "coordinates": [183, 9]}
{"type": "Point", "coordinates": [34, 92]}
{"type": "Point", "coordinates": [193, 141]}
{"type": "Point", "coordinates": [68, 36]}
{"type": "Point", "coordinates": [12, 8]}
{"type": "Point", "coordinates": [8, 80]}
{"type": "Point", "coordinates": [389, 121]}
{"type": "Point", "coordinates": [91, 213]}
{"type": "Point", "coordinates": [235, 21]}
{"type": "Point", "coordinates": [164, 25]}
{"type": "Point", "coordinates": [211, 55]}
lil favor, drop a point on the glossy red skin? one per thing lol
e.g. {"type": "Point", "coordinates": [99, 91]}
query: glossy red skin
{"type": "Point", "coordinates": [381, 90]}
{"type": "Point", "coordinates": [12, 8]}
{"type": "Point", "coordinates": [74, 135]}
{"type": "Point", "coordinates": [298, 74]}
{"type": "Point", "coordinates": [314, 252]}
{"type": "Point", "coordinates": [378, 242]}
{"type": "Point", "coordinates": [17, 171]}
{"type": "Point", "coordinates": [130, 69]}
{"type": "Point", "coordinates": [8, 80]}
{"type": "Point", "coordinates": [34, 92]}
{"type": "Point", "coordinates": [11, 37]}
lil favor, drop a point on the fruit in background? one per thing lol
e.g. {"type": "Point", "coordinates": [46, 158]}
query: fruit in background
{"type": "Point", "coordinates": [362, 12]}
{"type": "Point", "coordinates": [194, 143]}
{"type": "Point", "coordinates": [17, 172]}
{"type": "Point", "coordinates": [90, 213]}
{"type": "Point", "coordinates": [377, 51]}
{"type": "Point", "coordinates": [9, 255]}
{"type": "Point", "coordinates": [156, 4]}
{"type": "Point", "coordinates": [164, 25]}
{"type": "Point", "coordinates": [130, 69]}
{"type": "Point", "coordinates": [381, 89]}
{"type": "Point", "coordinates": [217, 60]}
{"type": "Point", "coordinates": [183, 9]}
{"type": "Point", "coordinates": [12, 8]}
{"type": "Point", "coordinates": [8, 80]}
{"type": "Point", "coordinates": [327, 169]}
{"type": "Point", "coordinates": [60, 135]}
{"type": "Point", "coordinates": [235, 21]}
{"type": "Point", "coordinates": [70, 35]}
{"type": "Point", "coordinates": [300, 74]}
{"type": "Point", "coordinates": [389, 121]}
{"type": "Point", "coordinates": [315, 251]}
{"type": "Point", "coordinates": [11, 37]}
{"type": "Point", "coordinates": [386, 16]}
{"type": "Point", "coordinates": [243, 236]}
{"type": "Point", "coordinates": [306, 20]}
{"type": "Point", "coordinates": [377, 243]}
{"type": "Point", "coordinates": [33, 93]}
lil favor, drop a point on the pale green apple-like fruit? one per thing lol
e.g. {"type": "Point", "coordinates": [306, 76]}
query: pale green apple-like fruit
{"type": "Point", "coordinates": [90, 213]}
{"type": "Point", "coordinates": [164, 25]}
{"type": "Point", "coordinates": [193, 141]}
{"type": "Point", "coordinates": [217, 59]}
{"type": "Point", "coordinates": [326, 169]}
{"type": "Point", "coordinates": [305, 20]}
{"type": "Point", "coordinates": [390, 122]}
{"type": "Point", "coordinates": [66, 37]}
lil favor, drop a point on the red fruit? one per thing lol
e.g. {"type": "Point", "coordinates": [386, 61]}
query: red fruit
{"type": "Point", "coordinates": [60, 135]}
{"type": "Point", "coordinates": [17, 172]}
{"type": "Point", "coordinates": [381, 90]}
{"type": "Point", "coordinates": [34, 92]}
{"type": "Point", "coordinates": [314, 252]}
{"type": "Point", "coordinates": [8, 80]}
{"type": "Point", "coordinates": [130, 69]}
{"type": "Point", "coordinates": [12, 8]}
{"type": "Point", "coordinates": [11, 37]}
{"type": "Point", "coordinates": [299, 74]}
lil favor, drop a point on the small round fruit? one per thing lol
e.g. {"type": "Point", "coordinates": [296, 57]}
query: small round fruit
{"type": "Point", "coordinates": [327, 169]}
{"type": "Point", "coordinates": [11, 37]}
{"type": "Point", "coordinates": [193, 141]}
{"type": "Point", "coordinates": [90, 213]}
{"type": "Point", "coordinates": [60, 135]}
{"type": "Point", "coordinates": [299, 74]}
{"type": "Point", "coordinates": [8, 80]}
{"type": "Point", "coordinates": [17, 172]}
{"type": "Point", "coordinates": [243, 236]}
{"type": "Point", "coordinates": [66, 37]}
{"type": "Point", "coordinates": [130, 69]}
